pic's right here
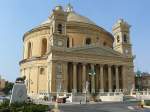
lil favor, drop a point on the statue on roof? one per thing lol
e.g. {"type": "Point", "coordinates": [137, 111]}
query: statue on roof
{"type": "Point", "coordinates": [69, 8]}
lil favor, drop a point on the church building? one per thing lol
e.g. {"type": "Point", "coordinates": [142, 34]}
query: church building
{"type": "Point", "coordinates": [70, 53]}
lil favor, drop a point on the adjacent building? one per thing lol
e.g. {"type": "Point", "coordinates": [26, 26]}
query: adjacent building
{"type": "Point", "coordinates": [2, 83]}
{"type": "Point", "coordinates": [142, 82]}
{"type": "Point", "coordinates": [70, 53]}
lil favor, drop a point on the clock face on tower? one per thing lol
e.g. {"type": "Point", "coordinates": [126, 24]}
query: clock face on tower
{"type": "Point", "coordinates": [60, 43]}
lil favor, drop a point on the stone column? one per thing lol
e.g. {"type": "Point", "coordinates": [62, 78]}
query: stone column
{"type": "Point", "coordinates": [101, 79]}
{"type": "Point", "coordinates": [124, 78]}
{"type": "Point", "coordinates": [117, 78]}
{"type": "Point", "coordinates": [38, 72]}
{"type": "Point", "coordinates": [109, 78]}
{"type": "Point", "coordinates": [83, 77]}
{"type": "Point", "coordinates": [49, 78]}
{"type": "Point", "coordinates": [65, 73]}
{"type": "Point", "coordinates": [74, 77]}
{"type": "Point", "coordinates": [93, 80]}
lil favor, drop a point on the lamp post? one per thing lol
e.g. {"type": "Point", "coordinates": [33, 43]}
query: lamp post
{"type": "Point", "coordinates": [56, 108]}
{"type": "Point", "coordinates": [92, 74]}
{"type": "Point", "coordinates": [86, 90]}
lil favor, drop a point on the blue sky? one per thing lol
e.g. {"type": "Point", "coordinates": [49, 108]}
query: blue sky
{"type": "Point", "coordinates": [19, 16]}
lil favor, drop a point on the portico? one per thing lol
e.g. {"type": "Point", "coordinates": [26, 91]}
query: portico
{"type": "Point", "coordinates": [107, 78]}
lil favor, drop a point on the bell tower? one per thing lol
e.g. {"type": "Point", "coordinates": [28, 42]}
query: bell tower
{"type": "Point", "coordinates": [58, 36]}
{"type": "Point", "coordinates": [121, 32]}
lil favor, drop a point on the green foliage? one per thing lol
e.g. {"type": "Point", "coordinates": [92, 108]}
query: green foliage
{"type": "Point", "coordinates": [147, 102]}
{"type": "Point", "coordinates": [22, 107]}
{"type": "Point", "coordinates": [35, 108]}
{"type": "Point", "coordinates": [4, 104]}
{"type": "Point", "coordinates": [8, 87]}
{"type": "Point", "coordinates": [138, 73]}
{"type": "Point", "coordinates": [21, 79]}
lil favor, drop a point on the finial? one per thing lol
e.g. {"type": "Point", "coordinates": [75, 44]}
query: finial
{"type": "Point", "coordinates": [58, 8]}
{"type": "Point", "coordinates": [69, 8]}
{"type": "Point", "coordinates": [120, 20]}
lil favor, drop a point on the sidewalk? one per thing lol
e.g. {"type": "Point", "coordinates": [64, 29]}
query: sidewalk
{"type": "Point", "coordinates": [147, 107]}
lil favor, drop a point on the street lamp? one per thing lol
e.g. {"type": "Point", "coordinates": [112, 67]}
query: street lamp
{"type": "Point", "coordinates": [92, 74]}
{"type": "Point", "coordinates": [56, 107]}
{"type": "Point", "coordinates": [86, 90]}
{"type": "Point", "coordinates": [92, 71]}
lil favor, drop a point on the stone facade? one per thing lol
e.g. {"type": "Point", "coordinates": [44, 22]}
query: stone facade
{"type": "Point", "coordinates": [2, 83]}
{"type": "Point", "coordinates": [142, 82]}
{"type": "Point", "coordinates": [60, 53]}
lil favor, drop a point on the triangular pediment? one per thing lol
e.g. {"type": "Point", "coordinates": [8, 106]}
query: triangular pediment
{"type": "Point", "coordinates": [95, 50]}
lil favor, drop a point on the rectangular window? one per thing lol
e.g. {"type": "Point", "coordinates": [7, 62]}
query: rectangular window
{"type": "Point", "coordinates": [42, 71]}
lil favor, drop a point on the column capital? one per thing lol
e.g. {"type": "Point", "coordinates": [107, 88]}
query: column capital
{"type": "Point", "coordinates": [65, 62]}
{"type": "Point", "coordinates": [101, 65]}
{"type": "Point", "coordinates": [92, 64]}
{"type": "Point", "coordinates": [124, 65]}
{"type": "Point", "coordinates": [109, 65]}
{"type": "Point", "coordinates": [116, 66]}
{"type": "Point", "coordinates": [84, 63]}
{"type": "Point", "coordinates": [75, 63]}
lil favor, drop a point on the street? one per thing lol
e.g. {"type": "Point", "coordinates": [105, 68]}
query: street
{"type": "Point", "coordinates": [103, 107]}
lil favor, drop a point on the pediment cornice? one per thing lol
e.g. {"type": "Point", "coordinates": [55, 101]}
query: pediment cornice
{"type": "Point", "coordinates": [95, 50]}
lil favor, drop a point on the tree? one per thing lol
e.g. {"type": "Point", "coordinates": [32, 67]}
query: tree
{"type": "Point", "coordinates": [138, 73]}
{"type": "Point", "coordinates": [8, 87]}
{"type": "Point", "coordinates": [139, 80]}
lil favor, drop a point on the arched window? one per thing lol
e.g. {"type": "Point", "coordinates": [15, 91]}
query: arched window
{"type": "Point", "coordinates": [59, 28]}
{"type": "Point", "coordinates": [125, 38]}
{"type": "Point", "coordinates": [29, 50]}
{"type": "Point", "coordinates": [97, 38]}
{"type": "Point", "coordinates": [72, 42]}
{"type": "Point", "coordinates": [88, 41]}
{"type": "Point", "coordinates": [44, 46]}
{"type": "Point", "coordinates": [42, 71]}
{"type": "Point", "coordinates": [68, 42]}
{"type": "Point", "coordinates": [118, 39]}
{"type": "Point", "coordinates": [104, 44]}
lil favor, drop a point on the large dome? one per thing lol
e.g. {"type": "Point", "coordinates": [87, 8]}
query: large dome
{"type": "Point", "coordinates": [74, 17]}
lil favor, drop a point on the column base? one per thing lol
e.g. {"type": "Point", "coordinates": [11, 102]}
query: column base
{"type": "Point", "coordinates": [110, 90]}
{"type": "Point", "coordinates": [101, 90]}
{"type": "Point", "coordinates": [117, 90]}
{"type": "Point", "coordinates": [83, 91]}
{"type": "Point", "coordinates": [74, 90]}
{"type": "Point", "coordinates": [93, 91]}
{"type": "Point", "coordinates": [65, 91]}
